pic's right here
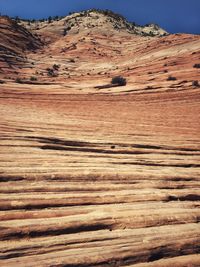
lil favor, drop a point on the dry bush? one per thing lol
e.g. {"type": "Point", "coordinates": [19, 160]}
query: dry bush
{"type": "Point", "coordinates": [119, 80]}
{"type": "Point", "coordinates": [171, 78]}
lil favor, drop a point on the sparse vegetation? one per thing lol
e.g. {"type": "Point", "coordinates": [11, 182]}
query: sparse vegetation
{"type": "Point", "coordinates": [33, 79]}
{"type": "Point", "coordinates": [2, 82]}
{"type": "Point", "coordinates": [151, 34]}
{"type": "Point", "coordinates": [65, 32]}
{"type": "Point", "coordinates": [17, 19]}
{"type": "Point", "coordinates": [51, 72]}
{"type": "Point", "coordinates": [72, 60]}
{"type": "Point", "coordinates": [197, 66]}
{"type": "Point", "coordinates": [107, 13]}
{"type": "Point", "coordinates": [56, 18]}
{"type": "Point", "coordinates": [195, 84]}
{"type": "Point", "coordinates": [171, 78]}
{"type": "Point", "coordinates": [119, 80]}
{"type": "Point", "coordinates": [118, 20]}
{"type": "Point", "coordinates": [56, 67]}
{"type": "Point", "coordinates": [49, 19]}
{"type": "Point", "coordinates": [18, 80]}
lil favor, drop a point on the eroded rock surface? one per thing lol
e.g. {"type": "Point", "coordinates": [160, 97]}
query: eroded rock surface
{"type": "Point", "coordinates": [101, 177]}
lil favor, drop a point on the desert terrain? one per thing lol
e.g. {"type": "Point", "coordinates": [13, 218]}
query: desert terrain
{"type": "Point", "coordinates": [93, 174]}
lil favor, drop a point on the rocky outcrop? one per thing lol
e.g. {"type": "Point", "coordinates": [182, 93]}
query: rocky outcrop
{"type": "Point", "coordinates": [15, 42]}
{"type": "Point", "coordinates": [90, 21]}
{"type": "Point", "coordinates": [99, 180]}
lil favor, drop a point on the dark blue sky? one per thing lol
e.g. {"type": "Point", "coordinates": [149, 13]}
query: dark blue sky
{"type": "Point", "coordinates": [173, 15]}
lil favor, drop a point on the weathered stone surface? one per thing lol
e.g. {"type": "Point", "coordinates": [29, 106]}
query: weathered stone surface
{"type": "Point", "coordinates": [105, 177]}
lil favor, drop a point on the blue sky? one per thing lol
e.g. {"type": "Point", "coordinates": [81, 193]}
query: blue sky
{"type": "Point", "coordinates": [173, 15]}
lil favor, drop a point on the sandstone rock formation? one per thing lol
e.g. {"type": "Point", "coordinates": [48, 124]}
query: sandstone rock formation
{"type": "Point", "coordinates": [15, 41]}
{"type": "Point", "coordinates": [98, 177]}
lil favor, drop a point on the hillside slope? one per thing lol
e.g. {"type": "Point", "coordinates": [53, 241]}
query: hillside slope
{"type": "Point", "coordinates": [15, 42]}
{"type": "Point", "coordinates": [95, 21]}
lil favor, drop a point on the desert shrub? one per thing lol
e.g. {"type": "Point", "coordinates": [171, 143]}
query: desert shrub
{"type": "Point", "coordinates": [18, 80]}
{"type": "Point", "coordinates": [109, 13]}
{"type": "Point", "coordinates": [56, 18]}
{"type": "Point", "coordinates": [51, 72]}
{"type": "Point", "coordinates": [195, 84]}
{"type": "Point", "coordinates": [197, 66]}
{"type": "Point", "coordinates": [151, 34]}
{"type": "Point", "coordinates": [49, 19]}
{"type": "Point", "coordinates": [2, 82]}
{"type": "Point", "coordinates": [17, 19]}
{"type": "Point", "coordinates": [119, 80]}
{"type": "Point", "coordinates": [33, 78]}
{"type": "Point", "coordinates": [171, 78]}
{"type": "Point", "coordinates": [56, 67]}
{"type": "Point", "coordinates": [64, 32]}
